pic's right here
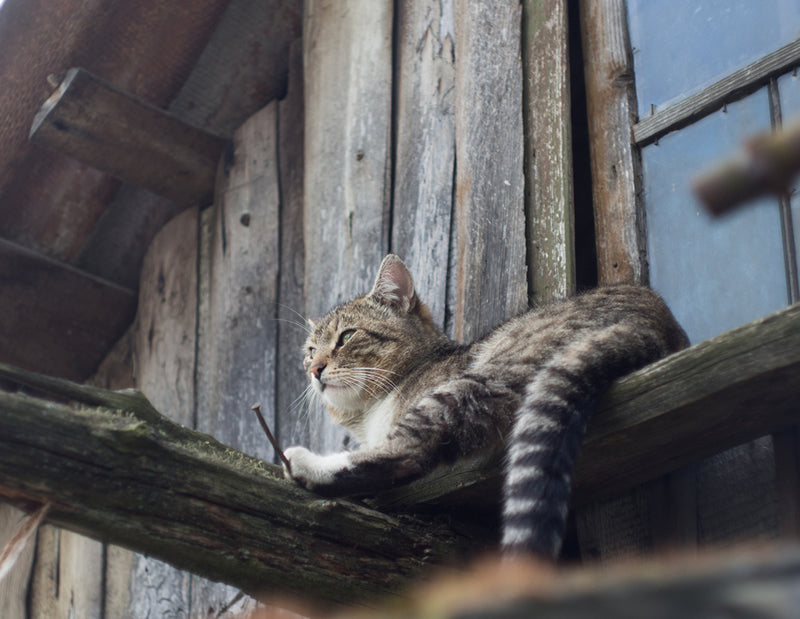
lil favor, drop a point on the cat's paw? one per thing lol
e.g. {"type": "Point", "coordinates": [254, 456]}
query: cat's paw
{"type": "Point", "coordinates": [311, 470]}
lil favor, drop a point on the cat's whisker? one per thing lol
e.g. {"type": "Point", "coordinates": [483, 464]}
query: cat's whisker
{"type": "Point", "coordinates": [294, 323]}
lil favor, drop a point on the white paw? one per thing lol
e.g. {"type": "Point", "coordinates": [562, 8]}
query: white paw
{"type": "Point", "coordinates": [311, 470]}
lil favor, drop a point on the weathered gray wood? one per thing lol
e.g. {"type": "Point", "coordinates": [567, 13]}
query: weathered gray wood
{"type": "Point", "coordinates": [14, 587]}
{"type": "Point", "coordinates": [72, 332]}
{"type": "Point", "coordinates": [238, 341]}
{"type": "Point", "coordinates": [101, 126]}
{"type": "Point", "coordinates": [735, 86]}
{"type": "Point", "coordinates": [291, 418]}
{"type": "Point", "coordinates": [68, 576]}
{"type": "Point", "coordinates": [238, 335]}
{"type": "Point", "coordinates": [548, 150]}
{"type": "Point", "coordinates": [490, 215]}
{"type": "Point", "coordinates": [164, 342]}
{"type": "Point", "coordinates": [615, 163]}
{"type": "Point", "coordinates": [201, 505]}
{"type": "Point", "coordinates": [425, 151]}
{"type": "Point", "coordinates": [347, 63]}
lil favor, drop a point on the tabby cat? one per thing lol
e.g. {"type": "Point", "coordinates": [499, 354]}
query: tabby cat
{"type": "Point", "coordinates": [414, 399]}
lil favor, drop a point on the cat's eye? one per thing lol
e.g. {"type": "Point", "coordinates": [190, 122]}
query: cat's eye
{"type": "Point", "coordinates": [312, 352]}
{"type": "Point", "coordinates": [345, 337]}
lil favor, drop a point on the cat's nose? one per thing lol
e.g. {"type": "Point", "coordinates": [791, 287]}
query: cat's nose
{"type": "Point", "coordinates": [316, 369]}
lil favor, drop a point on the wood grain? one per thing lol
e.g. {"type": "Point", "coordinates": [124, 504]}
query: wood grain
{"type": "Point", "coordinates": [347, 61]}
{"type": "Point", "coordinates": [615, 163]}
{"type": "Point", "coordinates": [425, 147]}
{"type": "Point", "coordinates": [548, 151]}
{"type": "Point", "coordinates": [490, 212]}
{"type": "Point", "coordinates": [164, 344]}
{"type": "Point", "coordinates": [291, 420]}
{"type": "Point", "coordinates": [101, 126]}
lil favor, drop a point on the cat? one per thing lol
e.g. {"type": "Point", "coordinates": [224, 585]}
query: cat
{"type": "Point", "coordinates": [414, 399]}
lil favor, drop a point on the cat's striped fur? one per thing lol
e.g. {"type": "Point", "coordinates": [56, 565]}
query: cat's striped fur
{"type": "Point", "coordinates": [415, 399]}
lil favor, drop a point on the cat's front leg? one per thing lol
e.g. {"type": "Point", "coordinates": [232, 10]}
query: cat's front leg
{"type": "Point", "coordinates": [351, 472]}
{"type": "Point", "coordinates": [313, 471]}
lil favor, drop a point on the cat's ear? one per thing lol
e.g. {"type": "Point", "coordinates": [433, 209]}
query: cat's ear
{"type": "Point", "coordinates": [394, 285]}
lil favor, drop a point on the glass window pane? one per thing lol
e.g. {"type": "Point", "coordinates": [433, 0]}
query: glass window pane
{"type": "Point", "coordinates": [683, 45]}
{"type": "Point", "coordinates": [789, 88]}
{"type": "Point", "coordinates": [714, 273]}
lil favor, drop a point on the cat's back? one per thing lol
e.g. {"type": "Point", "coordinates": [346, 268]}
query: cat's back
{"type": "Point", "coordinates": [535, 336]}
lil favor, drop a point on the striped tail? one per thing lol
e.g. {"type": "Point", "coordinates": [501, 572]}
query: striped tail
{"type": "Point", "coordinates": [549, 429]}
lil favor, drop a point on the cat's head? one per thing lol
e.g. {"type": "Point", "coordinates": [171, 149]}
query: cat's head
{"type": "Point", "coordinates": [357, 354]}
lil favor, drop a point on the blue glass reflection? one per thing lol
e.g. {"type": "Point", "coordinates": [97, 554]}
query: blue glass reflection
{"type": "Point", "coordinates": [684, 45]}
{"type": "Point", "coordinates": [714, 273]}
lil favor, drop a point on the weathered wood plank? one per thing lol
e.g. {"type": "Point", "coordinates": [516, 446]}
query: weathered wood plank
{"type": "Point", "coordinates": [73, 331]}
{"type": "Point", "coordinates": [548, 151]}
{"type": "Point", "coordinates": [14, 587]}
{"type": "Point", "coordinates": [68, 578]}
{"type": "Point", "coordinates": [199, 504]}
{"type": "Point", "coordinates": [735, 86]}
{"type": "Point", "coordinates": [615, 163]}
{"type": "Point", "coordinates": [425, 150]}
{"type": "Point", "coordinates": [237, 343]}
{"type": "Point", "coordinates": [291, 422]}
{"type": "Point", "coordinates": [347, 63]}
{"type": "Point", "coordinates": [239, 332]}
{"type": "Point", "coordinates": [490, 213]}
{"type": "Point", "coordinates": [164, 343]}
{"type": "Point", "coordinates": [101, 126]}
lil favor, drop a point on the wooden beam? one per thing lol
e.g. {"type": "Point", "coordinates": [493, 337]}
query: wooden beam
{"type": "Point", "coordinates": [93, 122]}
{"type": "Point", "coordinates": [116, 470]}
{"type": "Point", "coordinates": [728, 89]}
{"type": "Point", "coordinates": [56, 319]}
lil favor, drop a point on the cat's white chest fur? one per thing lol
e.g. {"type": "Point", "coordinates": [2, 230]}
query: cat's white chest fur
{"type": "Point", "coordinates": [377, 422]}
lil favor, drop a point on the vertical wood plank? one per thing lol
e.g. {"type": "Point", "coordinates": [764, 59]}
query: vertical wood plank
{"type": "Point", "coordinates": [238, 332]}
{"type": "Point", "coordinates": [14, 587]}
{"type": "Point", "coordinates": [347, 64]}
{"type": "Point", "coordinates": [291, 422]}
{"type": "Point", "coordinates": [491, 273]}
{"type": "Point", "coordinates": [425, 146]}
{"type": "Point", "coordinates": [164, 360]}
{"type": "Point", "coordinates": [548, 150]}
{"type": "Point", "coordinates": [615, 162]}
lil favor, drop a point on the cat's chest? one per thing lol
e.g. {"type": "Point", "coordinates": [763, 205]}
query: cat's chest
{"type": "Point", "coordinates": [378, 422]}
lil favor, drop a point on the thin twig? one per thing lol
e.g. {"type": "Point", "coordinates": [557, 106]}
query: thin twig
{"type": "Point", "coordinates": [257, 409]}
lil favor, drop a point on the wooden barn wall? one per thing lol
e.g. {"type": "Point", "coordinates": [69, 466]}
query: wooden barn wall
{"type": "Point", "coordinates": [437, 129]}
